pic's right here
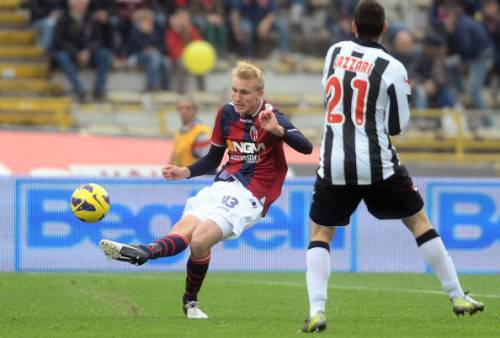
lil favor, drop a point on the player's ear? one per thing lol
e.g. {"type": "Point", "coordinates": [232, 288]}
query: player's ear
{"type": "Point", "coordinates": [354, 29]}
{"type": "Point", "coordinates": [386, 25]}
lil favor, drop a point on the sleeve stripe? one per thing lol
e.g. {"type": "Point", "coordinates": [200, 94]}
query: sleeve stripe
{"type": "Point", "coordinates": [394, 127]}
{"type": "Point", "coordinates": [203, 143]}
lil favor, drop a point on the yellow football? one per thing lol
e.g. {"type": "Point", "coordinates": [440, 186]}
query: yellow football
{"type": "Point", "coordinates": [90, 203]}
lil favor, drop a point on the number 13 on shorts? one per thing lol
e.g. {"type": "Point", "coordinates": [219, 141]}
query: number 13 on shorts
{"type": "Point", "coordinates": [229, 201]}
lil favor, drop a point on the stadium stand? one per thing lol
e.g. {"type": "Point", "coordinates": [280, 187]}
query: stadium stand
{"type": "Point", "coordinates": [28, 97]}
{"type": "Point", "coordinates": [453, 134]}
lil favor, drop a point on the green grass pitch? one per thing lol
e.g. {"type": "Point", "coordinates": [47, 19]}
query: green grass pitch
{"type": "Point", "coordinates": [239, 305]}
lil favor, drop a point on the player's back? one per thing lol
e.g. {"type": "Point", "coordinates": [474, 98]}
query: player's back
{"type": "Point", "coordinates": [366, 100]}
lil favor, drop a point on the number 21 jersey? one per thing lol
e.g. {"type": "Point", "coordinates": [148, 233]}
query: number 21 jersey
{"type": "Point", "coordinates": [366, 94]}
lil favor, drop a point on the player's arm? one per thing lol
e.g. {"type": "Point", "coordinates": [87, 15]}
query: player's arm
{"type": "Point", "coordinates": [205, 165]}
{"type": "Point", "coordinates": [280, 126]}
{"type": "Point", "coordinates": [208, 163]}
{"type": "Point", "coordinates": [398, 110]}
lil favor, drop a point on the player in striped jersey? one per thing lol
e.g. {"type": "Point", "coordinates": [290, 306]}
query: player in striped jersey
{"type": "Point", "coordinates": [253, 132]}
{"type": "Point", "coordinates": [366, 100]}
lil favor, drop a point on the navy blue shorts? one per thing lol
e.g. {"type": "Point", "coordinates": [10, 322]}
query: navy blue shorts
{"type": "Point", "coordinates": [393, 198]}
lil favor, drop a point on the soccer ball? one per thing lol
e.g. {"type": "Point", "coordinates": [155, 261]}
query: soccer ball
{"type": "Point", "coordinates": [90, 203]}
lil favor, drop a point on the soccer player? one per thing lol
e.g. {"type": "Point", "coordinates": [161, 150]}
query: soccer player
{"type": "Point", "coordinates": [253, 131]}
{"type": "Point", "coordinates": [366, 100]}
{"type": "Point", "coordinates": [192, 140]}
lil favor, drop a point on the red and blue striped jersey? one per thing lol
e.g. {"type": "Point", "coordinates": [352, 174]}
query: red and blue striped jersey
{"type": "Point", "coordinates": [256, 157]}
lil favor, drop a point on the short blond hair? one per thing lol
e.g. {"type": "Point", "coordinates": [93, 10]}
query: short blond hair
{"type": "Point", "coordinates": [247, 71]}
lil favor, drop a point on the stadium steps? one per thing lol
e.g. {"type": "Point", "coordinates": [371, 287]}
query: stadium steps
{"type": "Point", "coordinates": [16, 37]}
{"type": "Point", "coordinates": [283, 101]}
{"type": "Point", "coordinates": [36, 111]}
{"type": "Point", "coordinates": [27, 97]}
{"type": "Point", "coordinates": [117, 119]}
{"type": "Point", "coordinates": [6, 5]}
{"type": "Point", "coordinates": [24, 70]}
{"type": "Point", "coordinates": [14, 53]}
{"type": "Point", "coordinates": [313, 65]}
{"type": "Point", "coordinates": [13, 19]}
{"type": "Point", "coordinates": [24, 87]}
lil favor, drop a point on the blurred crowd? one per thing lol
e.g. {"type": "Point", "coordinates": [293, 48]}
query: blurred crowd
{"type": "Point", "coordinates": [457, 56]}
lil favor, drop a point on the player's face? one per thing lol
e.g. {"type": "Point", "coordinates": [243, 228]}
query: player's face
{"type": "Point", "coordinates": [245, 95]}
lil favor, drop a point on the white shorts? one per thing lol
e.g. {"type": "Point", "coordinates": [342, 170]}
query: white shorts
{"type": "Point", "coordinates": [229, 204]}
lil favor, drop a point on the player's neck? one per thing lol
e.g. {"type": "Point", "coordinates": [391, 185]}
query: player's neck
{"type": "Point", "coordinates": [252, 112]}
{"type": "Point", "coordinates": [369, 42]}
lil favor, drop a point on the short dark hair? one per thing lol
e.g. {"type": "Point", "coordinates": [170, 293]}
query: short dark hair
{"type": "Point", "coordinates": [369, 17]}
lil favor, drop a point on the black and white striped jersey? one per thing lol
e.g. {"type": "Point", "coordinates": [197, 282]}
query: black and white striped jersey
{"type": "Point", "coordinates": [366, 99]}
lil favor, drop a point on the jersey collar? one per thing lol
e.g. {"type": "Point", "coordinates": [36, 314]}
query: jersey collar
{"type": "Point", "coordinates": [259, 108]}
{"type": "Point", "coordinates": [369, 43]}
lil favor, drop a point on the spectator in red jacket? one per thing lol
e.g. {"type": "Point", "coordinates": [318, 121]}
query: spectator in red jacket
{"type": "Point", "coordinates": [180, 33]}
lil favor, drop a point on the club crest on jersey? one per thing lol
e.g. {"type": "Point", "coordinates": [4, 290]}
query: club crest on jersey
{"type": "Point", "coordinates": [253, 133]}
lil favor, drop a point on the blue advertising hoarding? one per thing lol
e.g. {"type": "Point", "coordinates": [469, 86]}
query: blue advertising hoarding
{"type": "Point", "coordinates": [39, 232]}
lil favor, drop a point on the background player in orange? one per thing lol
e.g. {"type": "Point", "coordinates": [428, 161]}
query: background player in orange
{"type": "Point", "coordinates": [192, 139]}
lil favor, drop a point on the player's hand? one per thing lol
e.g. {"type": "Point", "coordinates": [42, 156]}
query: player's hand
{"type": "Point", "coordinates": [269, 122]}
{"type": "Point", "coordinates": [173, 172]}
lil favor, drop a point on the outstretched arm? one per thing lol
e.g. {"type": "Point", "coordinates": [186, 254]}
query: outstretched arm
{"type": "Point", "coordinates": [280, 126]}
{"type": "Point", "coordinates": [208, 163]}
{"type": "Point", "coordinates": [204, 165]}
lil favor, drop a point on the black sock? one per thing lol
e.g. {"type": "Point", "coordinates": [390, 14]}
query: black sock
{"type": "Point", "coordinates": [167, 246]}
{"type": "Point", "coordinates": [196, 271]}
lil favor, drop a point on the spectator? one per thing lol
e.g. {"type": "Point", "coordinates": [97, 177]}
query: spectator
{"type": "Point", "coordinates": [252, 21]}
{"type": "Point", "coordinates": [123, 21]}
{"type": "Point", "coordinates": [471, 42]}
{"type": "Point", "coordinates": [180, 33]}
{"type": "Point", "coordinates": [82, 41]}
{"type": "Point", "coordinates": [297, 10]}
{"type": "Point", "coordinates": [431, 89]}
{"type": "Point", "coordinates": [165, 8]}
{"type": "Point", "coordinates": [402, 48]}
{"type": "Point", "coordinates": [146, 48]}
{"type": "Point", "coordinates": [208, 16]}
{"type": "Point", "coordinates": [437, 13]}
{"type": "Point", "coordinates": [339, 19]}
{"type": "Point", "coordinates": [491, 22]}
{"type": "Point", "coordinates": [192, 140]}
{"type": "Point", "coordinates": [341, 29]}
{"type": "Point", "coordinates": [44, 16]}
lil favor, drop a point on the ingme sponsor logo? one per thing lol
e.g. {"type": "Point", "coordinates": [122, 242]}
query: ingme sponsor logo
{"type": "Point", "coordinates": [245, 147]}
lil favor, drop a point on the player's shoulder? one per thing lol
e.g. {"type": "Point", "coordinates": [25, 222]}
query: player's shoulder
{"type": "Point", "coordinates": [394, 64]}
{"type": "Point", "coordinates": [228, 112]}
{"type": "Point", "coordinates": [338, 45]}
{"type": "Point", "coordinates": [228, 107]}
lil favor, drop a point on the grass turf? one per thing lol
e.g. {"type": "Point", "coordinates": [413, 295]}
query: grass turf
{"type": "Point", "coordinates": [239, 305]}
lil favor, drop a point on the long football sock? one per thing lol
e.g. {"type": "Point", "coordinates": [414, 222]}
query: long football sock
{"type": "Point", "coordinates": [317, 274]}
{"type": "Point", "coordinates": [167, 246]}
{"type": "Point", "coordinates": [432, 249]}
{"type": "Point", "coordinates": [196, 272]}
